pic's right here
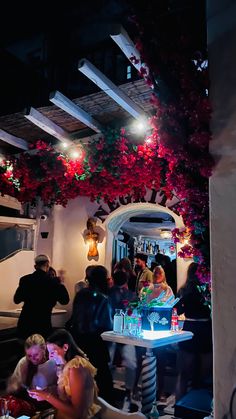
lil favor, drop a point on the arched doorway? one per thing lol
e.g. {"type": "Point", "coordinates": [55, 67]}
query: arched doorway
{"type": "Point", "coordinates": [117, 218]}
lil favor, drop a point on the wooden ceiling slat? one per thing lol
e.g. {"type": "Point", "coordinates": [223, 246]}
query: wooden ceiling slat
{"type": "Point", "coordinates": [74, 110]}
{"type": "Point", "coordinates": [48, 125]}
{"type": "Point", "coordinates": [13, 140]}
{"type": "Point", "coordinates": [98, 105]}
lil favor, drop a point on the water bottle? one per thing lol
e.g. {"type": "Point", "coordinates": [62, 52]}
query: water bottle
{"type": "Point", "coordinates": [127, 324]}
{"type": "Point", "coordinates": [139, 327]}
{"type": "Point", "coordinates": [118, 321]}
{"type": "Point", "coordinates": [154, 412]}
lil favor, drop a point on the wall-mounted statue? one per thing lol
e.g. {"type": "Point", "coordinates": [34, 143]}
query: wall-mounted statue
{"type": "Point", "coordinates": [92, 237]}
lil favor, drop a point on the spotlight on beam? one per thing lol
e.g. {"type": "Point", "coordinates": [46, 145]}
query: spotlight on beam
{"type": "Point", "coordinates": [140, 126]}
{"type": "Point", "coordinates": [75, 153]}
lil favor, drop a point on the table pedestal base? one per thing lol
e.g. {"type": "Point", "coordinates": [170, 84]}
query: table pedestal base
{"type": "Point", "coordinates": [149, 377]}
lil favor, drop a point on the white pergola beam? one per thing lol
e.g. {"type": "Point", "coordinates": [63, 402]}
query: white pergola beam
{"type": "Point", "coordinates": [97, 77]}
{"type": "Point", "coordinates": [122, 39]}
{"type": "Point", "coordinates": [48, 126]}
{"type": "Point", "coordinates": [11, 139]}
{"type": "Point", "coordinates": [74, 110]}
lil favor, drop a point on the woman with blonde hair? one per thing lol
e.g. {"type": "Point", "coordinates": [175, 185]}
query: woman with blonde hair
{"type": "Point", "coordinates": [159, 285]}
{"type": "Point", "coordinates": [34, 369]}
{"type": "Point", "coordinates": [77, 390]}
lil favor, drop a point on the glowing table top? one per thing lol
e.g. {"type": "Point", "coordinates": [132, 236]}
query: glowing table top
{"type": "Point", "coordinates": [150, 339]}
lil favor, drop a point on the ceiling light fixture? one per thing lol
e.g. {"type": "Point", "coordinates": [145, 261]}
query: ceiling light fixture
{"type": "Point", "coordinates": [166, 234]}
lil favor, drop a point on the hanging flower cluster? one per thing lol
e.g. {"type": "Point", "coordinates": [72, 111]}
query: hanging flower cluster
{"type": "Point", "coordinates": [179, 78]}
{"type": "Point", "coordinates": [106, 168]}
{"type": "Point", "coordinates": [173, 159]}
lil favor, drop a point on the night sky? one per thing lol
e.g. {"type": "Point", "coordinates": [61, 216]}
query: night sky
{"type": "Point", "coordinates": [41, 44]}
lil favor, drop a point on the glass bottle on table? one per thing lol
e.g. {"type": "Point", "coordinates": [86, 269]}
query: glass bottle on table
{"type": "Point", "coordinates": [118, 321]}
{"type": "Point", "coordinates": [127, 323]}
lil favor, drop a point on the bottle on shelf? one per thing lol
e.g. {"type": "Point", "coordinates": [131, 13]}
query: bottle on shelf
{"type": "Point", "coordinates": [154, 412]}
{"type": "Point", "coordinates": [144, 246]}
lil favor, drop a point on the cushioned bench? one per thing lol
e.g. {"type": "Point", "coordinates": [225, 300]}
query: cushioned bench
{"type": "Point", "coordinates": [196, 404]}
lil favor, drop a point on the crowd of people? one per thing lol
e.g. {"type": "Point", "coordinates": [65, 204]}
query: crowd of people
{"type": "Point", "coordinates": [68, 368]}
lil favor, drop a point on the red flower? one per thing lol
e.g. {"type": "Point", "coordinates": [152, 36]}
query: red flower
{"type": "Point", "coordinates": [125, 302]}
{"type": "Point", "coordinates": [129, 311]}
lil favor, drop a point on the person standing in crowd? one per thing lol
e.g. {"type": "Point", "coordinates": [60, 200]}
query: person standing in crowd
{"type": "Point", "coordinates": [160, 258]}
{"type": "Point", "coordinates": [195, 355]}
{"type": "Point", "coordinates": [91, 316]}
{"type": "Point", "coordinates": [120, 292]}
{"type": "Point", "coordinates": [83, 283]}
{"type": "Point", "coordinates": [165, 261]}
{"type": "Point", "coordinates": [53, 273]}
{"type": "Point", "coordinates": [119, 295]}
{"type": "Point", "coordinates": [34, 369]}
{"type": "Point", "coordinates": [39, 292]}
{"type": "Point", "coordinates": [144, 275]}
{"type": "Point", "coordinates": [125, 265]}
{"type": "Point", "coordinates": [76, 388]}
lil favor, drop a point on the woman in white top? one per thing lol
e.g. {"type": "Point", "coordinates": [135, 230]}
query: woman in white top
{"type": "Point", "coordinates": [159, 285]}
{"type": "Point", "coordinates": [34, 369]}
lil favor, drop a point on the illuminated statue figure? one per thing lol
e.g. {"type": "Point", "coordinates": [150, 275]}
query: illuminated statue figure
{"type": "Point", "coordinates": [92, 237]}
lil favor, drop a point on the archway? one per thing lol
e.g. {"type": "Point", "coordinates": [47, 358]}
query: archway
{"type": "Point", "coordinates": [119, 216]}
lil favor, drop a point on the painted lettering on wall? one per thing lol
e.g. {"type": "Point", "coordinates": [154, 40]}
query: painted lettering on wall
{"type": "Point", "coordinates": [152, 197]}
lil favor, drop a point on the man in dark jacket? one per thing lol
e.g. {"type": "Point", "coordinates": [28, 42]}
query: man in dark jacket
{"type": "Point", "coordinates": [40, 293]}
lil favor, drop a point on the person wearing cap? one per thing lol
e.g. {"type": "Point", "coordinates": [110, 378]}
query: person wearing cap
{"type": "Point", "coordinates": [40, 293]}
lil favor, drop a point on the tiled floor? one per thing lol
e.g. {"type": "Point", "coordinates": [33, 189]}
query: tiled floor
{"type": "Point", "coordinates": [166, 410]}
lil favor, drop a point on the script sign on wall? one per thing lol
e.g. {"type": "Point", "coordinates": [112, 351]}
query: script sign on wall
{"type": "Point", "coordinates": [152, 197]}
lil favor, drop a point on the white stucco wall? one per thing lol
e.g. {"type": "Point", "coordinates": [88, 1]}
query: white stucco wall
{"type": "Point", "coordinates": [11, 270]}
{"type": "Point", "coordinates": [69, 251]}
{"type": "Point", "coordinates": [66, 247]}
{"type": "Point", "coordinates": [222, 63]}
